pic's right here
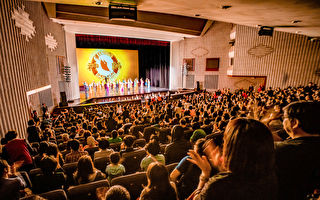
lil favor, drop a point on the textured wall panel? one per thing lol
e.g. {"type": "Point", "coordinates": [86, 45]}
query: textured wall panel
{"type": "Point", "coordinates": [190, 81]}
{"type": "Point", "coordinates": [24, 65]}
{"type": "Point", "coordinates": [45, 96]}
{"type": "Point", "coordinates": [293, 61]}
{"type": "Point", "coordinates": [211, 81]}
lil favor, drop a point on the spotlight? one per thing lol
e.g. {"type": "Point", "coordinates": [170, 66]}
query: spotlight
{"type": "Point", "coordinates": [226, 7]}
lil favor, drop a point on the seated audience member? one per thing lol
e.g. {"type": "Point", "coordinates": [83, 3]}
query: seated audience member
{"type": "Point", "coordinates": [159, 186]}
{"type": "Point", "coordinates": [186, 174]}
{"type": "Point", "coordinates": [115, 169]}
{"type": "Point", "coordinates": [117, 192]}
{"type": "Point", "coordinates": [104, 149]}
{"type": "Point", "coordinates": [297, 159]}
{"type": "Point", "coordinates": [115, 137]}
{"type": "Point", "coordinates": [91, 143]}
{"type": "Point", "coordinates": [147, 132]}
{"type": "Point", "coordinates": [55, 153]}
{"type": "Point", "coordinates": [86, 172]}
{"type": "Point", "coordinates": [197, 134]}
{"type": "Point", "coordinates": [179, 146]}
{"type": "Point", "coordinates": [153, 155]}
{"type": "Point", "coordinates": [64, 144]}
{"type": "Point", "coordinates": [42, 152]}
{"type": "Point", "coordinates": [11, 182]}
{"type": "Point", "coordinates": [247, 164]}
{"type": "Point", "coordinates": [127, 144]}
{"type": "Point", "coordinates": [50, 179]}
{"type": "Point", "coordinates": [75, 153]}
{"type": "Point", "coordinates": [17, 150]}
{"type": "Point", "coordinates": [33, 132]}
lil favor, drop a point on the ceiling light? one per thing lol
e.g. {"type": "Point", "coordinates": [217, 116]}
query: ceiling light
{"type": "Point", "coordinates": [226, 7]}
{"type": "Point", "coordinates": [197, 15]}
{"type": "Point", "coordinates": [98, 3]}
{"type": "Point", "coordinates": [298, 31]}
{"type": "Point", "coordinates": [296, 21]}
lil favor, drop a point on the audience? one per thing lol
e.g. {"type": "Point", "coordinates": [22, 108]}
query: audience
{"type": "Point", "coordinates": [297, 159]}
{"type": "Point", "coordinates": [247, 164]}
{"type": "Point", "coordinates": [115, 169]}
{"type": "Point", "coordinates": [159, 186]}
{"type": "Point", "coordinates": [204, 118]}
{"type": "Point", "coordinates": [75, 154]}
{"type": "Point", "coordinates": [86, 172]}
{"type": "Point", "coordinates": [153, 155]}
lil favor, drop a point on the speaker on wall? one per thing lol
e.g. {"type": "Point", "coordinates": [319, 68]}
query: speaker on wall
{"type": "Point", "coordinates": [265, 30]}
{"type": "Point", "coordinates": [122, 12]}
{"type": "Point", "coordinates": [63, 99]}
{"type": "Point", "coordinates": [198, 85]}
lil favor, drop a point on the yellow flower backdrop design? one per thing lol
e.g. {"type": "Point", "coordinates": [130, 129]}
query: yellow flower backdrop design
{"type": "Point", "coordinates": [115, 64]}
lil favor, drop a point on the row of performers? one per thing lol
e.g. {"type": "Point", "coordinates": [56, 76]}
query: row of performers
{"type": "Point", "coordinates": [118, 84]}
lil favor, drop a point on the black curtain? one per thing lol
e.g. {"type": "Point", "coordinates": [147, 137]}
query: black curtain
{"type": "Point", "coordinates": [154, 56]}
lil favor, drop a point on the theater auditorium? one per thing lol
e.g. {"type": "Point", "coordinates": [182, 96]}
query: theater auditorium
{"type": "Point", "coordinates": [159, 100]}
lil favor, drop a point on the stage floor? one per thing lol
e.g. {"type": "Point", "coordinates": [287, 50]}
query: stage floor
{"type": "Point", "coordinates": [101, 92]}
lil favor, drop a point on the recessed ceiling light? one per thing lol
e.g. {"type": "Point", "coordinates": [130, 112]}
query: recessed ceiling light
{"type": "Point", "coordinates": [197, 15]}
{"type": "Point", "coordinates": [98, 3]}
{"type": "Point", "coordinates": [226, 7]}
{"type": "Point", "coordinates": [296, 21]}
{"type": "Point", "coordinates": [298, 31]}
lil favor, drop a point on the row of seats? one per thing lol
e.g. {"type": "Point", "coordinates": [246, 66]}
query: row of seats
{"type": "Point", "coordinates": [133, 183]}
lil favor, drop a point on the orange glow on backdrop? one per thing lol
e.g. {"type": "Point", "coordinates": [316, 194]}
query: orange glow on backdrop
{"type": "Point", "coordinates": [114, 64]}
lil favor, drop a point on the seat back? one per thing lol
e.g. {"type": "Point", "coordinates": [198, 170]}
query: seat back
{"type": "Point", "coordinates": [131, 160]}
{"type": "Point", "coordinates": [139, 143]}
{"type": "Point", "coordinates": [132, 182]}
{"type": "Point", "coordinates": [162, 148]}
{"type": "Point", "coordinates": [101, 163]}
{"type": "Point", "coordinates": [86, 191]}
{"type": "Point", "coordinates": [55, 195]}
{"type": "Point", "coordinates": [115, 146]}
{"type": "Point", "coordinates": [69, 169]}
{"type": "Point", "coordinates": [91, 151]}
{"type": "Point", "coordinates": [33, 173]}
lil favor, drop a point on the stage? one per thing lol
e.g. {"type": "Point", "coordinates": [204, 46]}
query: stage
{"type": "Point", "coordinates": [102, 94]}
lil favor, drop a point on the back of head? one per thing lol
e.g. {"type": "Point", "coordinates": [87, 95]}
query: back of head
{"type": "Point", "coordinates": [74, 145]}
{"type": "Point", "coordinates": [248, 148]}
{"type": "Point", "coordinates": [48, 165]}
{"type": "Point", "coordinates": [307, 113]}
{"type": "Point", "coordinates": [43, 147]}
{"type": "Point", "coordinates": [85, 167]}
{"type": "Point", "coordinates": [52, 150]}
{"type": "Point", "coordinates": [128, 140]}
{"type": "Point", "coordinates": [117, 192]}
{"type": "Point", "coordinates": [104, 143]}
{"type": "Point", "coordinates": [3, 167]}
{"type": "Point", "coordinates": [91, 141]}
{"type": "Point", "coordinates": [11, 135]}
{"type": "Point", "coordinates": [115, 158]}
{"type": "Point", "coordinates": [197, 134]}
{"type": "Point", "coordinates": [153, 147]}
{"type": "Point", "coordinates": [158, 182]}
{"type": "Point", "coordinates": [114, 134]}
{"type": "Point", "coordinates": [177, 133]}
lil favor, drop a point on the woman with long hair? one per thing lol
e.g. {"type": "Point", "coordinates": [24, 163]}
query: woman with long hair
{"type": "Point", "coordinates": [159, 185]}
{"type": "Point", "coordinates": [86, 172]}
{"type": "Point", "coordinates": [247, 164]}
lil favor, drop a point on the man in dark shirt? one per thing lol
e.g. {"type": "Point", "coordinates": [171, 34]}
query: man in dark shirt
{"type": "Point", "coordinates": [297, 159]}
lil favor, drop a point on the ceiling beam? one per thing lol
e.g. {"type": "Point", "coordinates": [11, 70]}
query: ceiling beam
{"type": "Point", "coordinates": [50, 9]}
{"type": "Point", "coordinates": [150, 20]}
{"type": "Point", "coordinates": [208, 25]}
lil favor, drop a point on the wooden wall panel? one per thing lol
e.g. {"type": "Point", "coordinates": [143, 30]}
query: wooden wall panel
{"type": "Point", "coordinates": [293, 61]}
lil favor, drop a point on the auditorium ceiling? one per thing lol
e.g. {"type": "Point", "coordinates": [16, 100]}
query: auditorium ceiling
{"type": "Point", "coordinates": [176, 19]}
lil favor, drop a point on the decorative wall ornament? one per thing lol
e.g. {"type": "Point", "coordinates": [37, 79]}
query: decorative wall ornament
{"type": "Point", "coordinates": [260, 50]}
{"type": "Point", "coordinates": [23, 22]}
{"type": "Point", "coordinates": [51, 43]}
{"type": "Point", "coordinates": [200, 51]}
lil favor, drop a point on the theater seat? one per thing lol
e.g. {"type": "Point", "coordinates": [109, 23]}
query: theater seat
{"type": "Point", "coordinates": [101, 163]}
{"type": "Point", "coordinates": [139, 143]}
{"type": "Point", "coordinates": [69, 169]}
{"type": "Point", "coordinates": [91, 151]}
{"type": "Point", "coordinates": [33, 173]}
{"type": "Point", "coordinates": [131, 160]}
{"type": "Point", "coordinates": [115, 146]}
{"type": "Point", "coordinates": [132, 182]}
{"type": "Point", "coordinates": [86, 191]}
{"type": "Point", "coordinates": [52, 195]}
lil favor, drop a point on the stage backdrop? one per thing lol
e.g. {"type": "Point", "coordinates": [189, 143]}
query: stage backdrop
{"type": "Point", "coordinates": [114, 64]}
{"type": "Point", "coordinates": [154, 55]}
